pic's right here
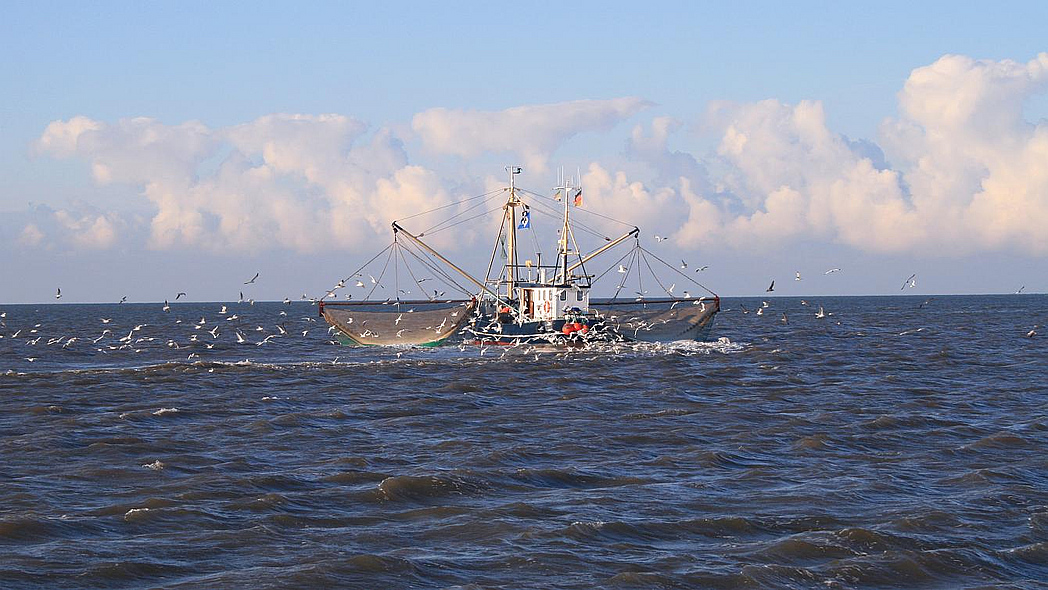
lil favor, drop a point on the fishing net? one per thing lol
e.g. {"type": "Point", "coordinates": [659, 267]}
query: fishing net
{"type": "Point", "coordinates": [660, 320]}
{"type": "Point", "coordinates": [404, 323]}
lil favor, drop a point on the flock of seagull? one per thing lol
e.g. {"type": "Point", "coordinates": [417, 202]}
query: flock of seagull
{"type": "Point", "coordinates": [107, 341]}
{"type": "Point", "coordinates": [203, 334]}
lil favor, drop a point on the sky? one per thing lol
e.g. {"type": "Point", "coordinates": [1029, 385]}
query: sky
{"type": "Point", "coordinates": [148, 149]}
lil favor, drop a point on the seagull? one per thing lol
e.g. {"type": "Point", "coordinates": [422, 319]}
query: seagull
{"type": "Point", "coordinates": [683, 265]}
{"type": "Point", "coordinates": [1031, 333]}
{"type": "Point", "coordinates": [659, 238]}
{"type": "Point", "coordinates": [122, 299]}
{"type": "Point", "coordinates": [240, 338]}
{"type": "Point", "coordinates": [785, 319]}
{"type": "Point", "coordinates": [622, 269]}
{"type": "Point", "coordinates": [252, 279]}
{"type": "Point", "coordinates": [396, 322]}
{"type": "Point", "coordinates": [764, 304]}
{"type": "Point", "coordinates": [167, 306]}
{"type": "Point", "coordinates": [223, 311]}
{"type": "Point", "coordinates": [360, 284]}
{"type": "Point", "coordinates": [180, 294]}
{"type": "Point", "coordinates": [106, 320]}
{"type": "Point", "coordinates": [702, 268]}
{"type": "Point", "coordinates": [770, 288]}
{"type": "Point", "coordinates": [798, 277]}
{"type": "Point", "coordinates": [241, 300]}
{"type": "Point", "coordinates": [1020, 290]}
{"type": "Point", "coordinates": [760, 311]}
{"type": "Point", "coordinates": [287, 301]}
{"type": "Point", "coordinates": [820, 314]}
{"type": "Point", "coordinates": [831, 271]}
{"type": "Point", "coordinates": [911, 281]}
{"type": "Point", "coordinates": [214, 332]}
{"type": "Point", "coordinates": [58, 295]}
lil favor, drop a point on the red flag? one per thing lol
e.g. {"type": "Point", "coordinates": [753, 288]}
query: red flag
{"type": "Point", "coordinates": [578, 198]}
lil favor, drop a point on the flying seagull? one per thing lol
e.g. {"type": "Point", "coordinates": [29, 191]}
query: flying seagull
{"type": "Point", "coordinates": [58, 295]}
{"type": "Point", "coordinates": [702, 268]}
{"type": "Point", "coordinates": [798, 277]}
{"type": "Point", "coordinates": [1020, 290]}
{"type": "Point", "coordinates": [683, 265]}
{"type": "Point", "coordinates": [911, 281]}
{"type": "Point", "coordinates": [180, 294]}
{"type": "Point", "coordinates": [252, 279]}
{"type": "Point", "coordinates": [831, 271]}
{"type": "Point", "coordinates": [770, 288]}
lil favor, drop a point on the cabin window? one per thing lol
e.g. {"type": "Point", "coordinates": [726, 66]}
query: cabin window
{"type": "Point", "coordinates": [563, 295]}
{"type": "Point", "coordinates": [578, 295]}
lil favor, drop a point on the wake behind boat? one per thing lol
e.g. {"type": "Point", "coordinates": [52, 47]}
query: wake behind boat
{"type": "Point", "coordinates": [529, 303]}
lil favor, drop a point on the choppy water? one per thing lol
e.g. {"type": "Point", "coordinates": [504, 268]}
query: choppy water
{"type": "Point", "coordinates": [891, 444]}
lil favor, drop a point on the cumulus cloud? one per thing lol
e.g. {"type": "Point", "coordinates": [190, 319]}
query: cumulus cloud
{"type": "Point", "coordinates": [533, 132]}
{"type": "Point", "coordinates": [31, 235]}
{"type": "Point", "coordinates": [958, 170]}
{"type": "Point", "coordinates": [964, 171]}
{"type": "Point", "coordinates": [301, 182]}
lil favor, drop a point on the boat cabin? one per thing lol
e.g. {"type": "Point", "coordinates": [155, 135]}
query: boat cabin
{"type": "Point", "coordinates": [550, 303]}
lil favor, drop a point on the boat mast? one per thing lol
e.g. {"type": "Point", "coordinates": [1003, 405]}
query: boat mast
{"type": "Point", "coordinates": [511, 218]}
{"type": "Point", "coordinates": [565, 189]}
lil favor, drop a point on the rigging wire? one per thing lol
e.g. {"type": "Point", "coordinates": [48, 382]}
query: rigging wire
{"type": "Point", "coordinates": [436, 228]}
{"type": "Point", "coordinates": [556, 213]}
{"type": "Point", "coordinates": [487, 194]}
{"type": "Point", "coordinates": [432, 265]}
{"type": "Point", "coordinates": [378, 281]}
{"type": "Point", "coordinates": [358, 271]}
{"type": "Point", "coordinates": [488, 212]}
{"type": "Point", "coordinates": [410, 273]}
{"type": "Point", "coordinates": [676, 270]}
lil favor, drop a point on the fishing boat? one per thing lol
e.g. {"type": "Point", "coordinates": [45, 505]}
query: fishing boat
{"type": "Point", "coordinates": [518, 303]}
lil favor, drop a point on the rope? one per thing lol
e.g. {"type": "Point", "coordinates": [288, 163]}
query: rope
{"type": "Point", "coordinates": [487, 194]}
{"type": "Point", "coordinates": [675, 269]}
{"type": "Point", "coordinates": [378, 281]}
{"type": "Point", "coordinates": [357, 273]}
{"type": "Point", "coordinates": [436, 228]}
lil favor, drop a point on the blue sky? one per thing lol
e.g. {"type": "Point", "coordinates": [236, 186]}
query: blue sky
{"type": "Point", "coordinates": [382, 67]}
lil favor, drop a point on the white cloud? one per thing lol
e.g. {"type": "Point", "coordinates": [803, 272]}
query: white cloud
{"type": "Point", "coordinates": [959, 170]}
{"type": "Point", "coordinates": [281, 181]}
{"type": "Point", "coordinates": [966, 172]}
{"type": "Point", "coordinates": [88, 231]}
{"type": "Point", "coordinates": [31, 235]}
{"type": "Point", "coordinates": [533, 132]}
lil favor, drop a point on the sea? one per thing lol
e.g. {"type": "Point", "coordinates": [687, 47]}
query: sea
{"type": "Point", "coordinates": [896, 442]}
